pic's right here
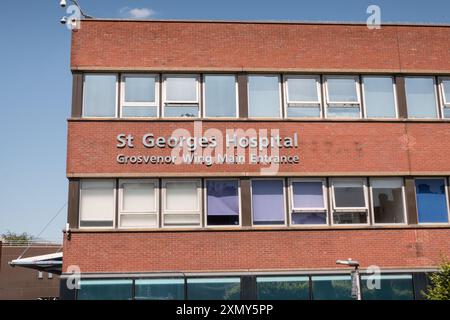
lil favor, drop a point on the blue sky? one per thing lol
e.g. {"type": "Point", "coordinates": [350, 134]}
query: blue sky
{"type": "Point", "coordinates": [35, 86]}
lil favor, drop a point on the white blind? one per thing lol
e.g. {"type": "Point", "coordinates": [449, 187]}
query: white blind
{"type": "Point", "coordinates": [182, 196]}
{"type": "Point", "coordinates": [138, 197]}
{"type": "Point", "coordinates": [182, 89]}
{"type": "Point", "coordinates": [97, 200]}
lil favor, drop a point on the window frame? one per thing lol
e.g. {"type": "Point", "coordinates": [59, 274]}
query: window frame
{"type": "Point", "coordinates": [372, 207]}
{"type": "Point", "coordinates": [164, 211]}
{"type": "Point", "coordinates": [444, 104]}
{"type": "Point", "coordinates": [116, 107]}
{"type": "Point", "coordinates": [114, 225]}
{"type": "Point", "coordinates": [436, 98]}
{"type": "Point", "coordinates": [280, 101]}
{"type": "Point", "coordinates": [236, 90]}
{"type": "Point", "coordinates": [349, 209]}
{"type": "Point", "coordinates": [121, 211]}
{"type": "Point", "coordinates": [285, 224]}
{"type": "Point", "coordinates": [341, 104]}
{"type": "Point", "coordinates": [285, 79]}
{"type": "Point", "coordinates": [124, 103]}
{"type": "Point", "coordinates": [205, 204]}
{"type": "Point", "coordinates": [292, 209]}
{"type": "Point", "coordinates": [446, 189]}
{"type": "Point", "coordinates": [166, 102]}
{"type": "Point", "coordinates": [394, 86]}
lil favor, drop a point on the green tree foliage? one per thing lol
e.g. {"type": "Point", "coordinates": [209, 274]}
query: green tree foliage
{"type": "Point", "coordinates": [440, 283]}
{"type": "Point", "coordinates": [12, 236]}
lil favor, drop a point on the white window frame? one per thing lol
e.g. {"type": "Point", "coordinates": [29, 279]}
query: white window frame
{"type": "Point", "coordinates": [364, 96]}
{"type": "Point", "coordinates": [292, 209]}
{"type": "Point", "coordinates": [205, 203]}
{"type": "Point", "coordinates": [287, 102]}
{"type": "Point", "coordinates": [124, 103]}
{"type": "Point", "coordinates": [121, 212]}
{"type": "Point", "coordinates": [116, 107]}
{"type": "Point", "coordinates": [444, 104]}
{"type": "Point", "coordinates": [343, 104]}
{"type": "Point", "coordinates": [436, 99]}
{"type": "Point", "coordinates": [284, 203]}
{"type": "Point", "coordinates": [181, 212]}
{"type": "Point", "coordinates": [349, 209]}
{"type": "Point", "coordinates": [184, 102]}
{"type": "Point", "coordinates": [115, 201]}
{"type": "Point", "coordinates": [446, 200]}
{"type": "Point", "coordinates": [280, 102]}
{"type": "Point", "coordinates": [372, 206]}
{"type": "Point", "coordinates": [236, 86]}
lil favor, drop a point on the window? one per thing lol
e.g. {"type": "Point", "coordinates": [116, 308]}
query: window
{"type": "Point", "coordinates": [342, 93]}
{"type": "Point", "coordinates": [220, 96]}
{"type": "Point", "coordinates": [105, 290]}
{"type": "Point", "coordinates": [379, 97]}
{"type": "Point", "coordinates": [138, 203]}
{"type": "Point", "coordinates": [392, 287]}
{"type": "Point", "coordinates": [268, 202]}
{"type": "Point", "coordinates": [431, 200]}
{"type": "Point", "coordinates": [349, 201]}
{"type": "Point", "coordinates": [159, 289]}
{"type": "Point", "coordinates": [445, 90]}
{"type": "Point", "coordinates": [214, 289]}
{"type": "Point", "coordinates": [139, 96]}
{"type": "Point", "coordinates": [100, 95]}
{"type": "Point", "coordinates": [181, 96]}
{"type": "Point", "coordinates": [181, 202]}
{"type": "Point", "coordinates": [388, 200]}
{"type": "Point", "coordinates": [97, 203]}
{"type": "Point", "coordinates": [331, 287]}
{"type": "Point", "coordinates": [264, 96]}
{"type": "Point", "coordinates": [222, 202]}
{"type": "Point", "coordinates": [302, 96]}
{"type": "Point", "coordinates": [308, 202]}
{"type": "Point", "coordinates": [282, 288]}
{"type": "Point", "coordinates": [421, 97]}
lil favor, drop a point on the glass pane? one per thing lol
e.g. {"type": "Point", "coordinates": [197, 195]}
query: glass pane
{"type": "Point", "coordinates": [350, 217]}
{"type": "Point", "coordinates": [349, 194]}
{"type": "Point", "coordinates": [182, 196]}
{"type": "Point", "coordinates": [105, 290]}
{"type": "Point", "coordinates": [264, 96]}
{"type": "Point", "coordinates": [303, 111]}
{"type": "Point", "coordinates": [302, 89]}
{"type": "Point", "coordinates": [139, 111]}
{"type": "Point", "coordinates": [222, 202]}
{"type": "Point", "coordinates": [214, 289]}
{"type": "Point", "coordinates": [342, 90]}
{"type": "Point", "coordinates": [97, 203]}
{"type": "Point", "coordinates": [308, 194]}
{"type": "Point", "coordinates": [138, 220]}
{"type": "Point", "coordinates": [139, 88]}
{"type": "Point", "coordinates": [395, 287]}
{"type": "Point", "coordinates": [181, 88]}
{"type": "Point", "coordinates": [309, 218]}
{"type": "Point", "coordinates": [185, 111]}
{"type": "Point", "coordinates": [182, 219]}
{"type": "Point", "coordinates": [446, 88]}
{"type": "Point", "coordinates": [283, 288]}
{"type": "Point", "coordinates": [379, 97]}
{"type": "Point", "coordinates": [99, 96]}
{"type": "Point", "coordinates": [431, 200]}
{"type": "Point", "coordinates": [421, 97]}
{"type": "Point", "coordinates": [387, 197]}
{"type": "Point", "coordinates": [446, 112]}
{"type": "Point", "coordinates": [138, 197]}
{"type": "Point", "coordinates": [159, 289]}
{"type": "Point", "coordinates": [332, 287]}
{"type": "Point", "coordinates": [220, 96]}
{"type": "Point", "coordinates": [343, 112]}
{"type": "Point", "coordinates": [268, 202]}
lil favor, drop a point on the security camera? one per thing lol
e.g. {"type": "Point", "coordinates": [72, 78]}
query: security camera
{"type": "Point", "coordinates": [63, 20]}
{"type": "Point", "coordinates": [349, 262]}
{"type": "Point", "coordinates": [63, 3]}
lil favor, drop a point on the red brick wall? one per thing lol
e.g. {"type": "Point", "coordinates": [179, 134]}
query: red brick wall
{"type": "Point", "coordinates": [325, 148]}
{"type": "Point", "coordinates": [250, 46]}
{"type": "Point", "coordinates": [254, 250]}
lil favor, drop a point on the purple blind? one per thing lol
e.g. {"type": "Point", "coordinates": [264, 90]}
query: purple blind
{"type": "Point", "coordinates": [267, 201]}
{"type": "Point", "coordinates": [308, 194]}
{"type": "Point", "coordinates": [222, 197]}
